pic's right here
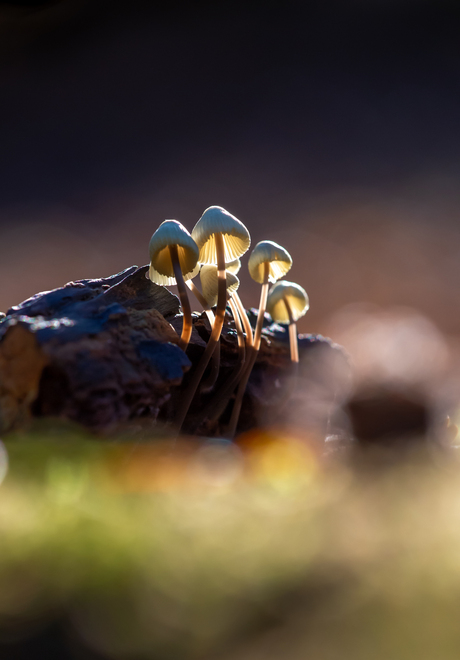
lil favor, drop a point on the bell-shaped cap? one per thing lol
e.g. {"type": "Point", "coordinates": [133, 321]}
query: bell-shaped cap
{"type": "Point", "coordinates": [235, 235]}
{"type": "Point", "coordinates": [296, 298]}
{"type": "Point", "coordinates": [233, 266]}
{"type": "Point", "coordinates": [267, 252]}
{"type": "Point", "coordinates": [161, 271]}
{"type": "Point", "coordinates": [209, 284]}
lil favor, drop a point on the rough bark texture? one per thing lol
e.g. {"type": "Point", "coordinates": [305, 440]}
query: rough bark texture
{"type": "Point", "coordinates": [104, 352]}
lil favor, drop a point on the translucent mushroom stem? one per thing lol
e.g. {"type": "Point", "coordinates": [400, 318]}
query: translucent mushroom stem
{"type": "Point", "coordinates": [221, 287]}
{"type": "Point", "coordinates": [291, 382]}
{"type": "Point", "coordinates": [215, 360]}
{"type": "Point", "coordinates": [293, 341]}
{"type": "Point", "coordinates": [244, 319]}
{"type": "Point", "coordinates": [208, 384]}
{"type": "Point", "coordinates": [252, 355]}
{"type": "Point", "coordinates": [184, 301]}
{"type": "Point", "coordinates": [197, 375]}
{"type": "Point", "coordinates": [262, 308]}
{"type": "Point", "coordinates": [219, 401]}
{"type": "Point", "coordinates": [239, 330]}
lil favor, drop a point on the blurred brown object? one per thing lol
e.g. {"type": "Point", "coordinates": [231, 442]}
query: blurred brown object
{"type": "Point", "coordinates": [388, 416]}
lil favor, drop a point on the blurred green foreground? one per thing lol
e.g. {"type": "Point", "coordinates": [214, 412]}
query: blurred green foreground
{"type": "Point", "coordinates": [210, 550]}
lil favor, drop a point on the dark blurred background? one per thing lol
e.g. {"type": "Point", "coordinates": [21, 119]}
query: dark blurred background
{"type": "Point", "coordinates": [331, 127]}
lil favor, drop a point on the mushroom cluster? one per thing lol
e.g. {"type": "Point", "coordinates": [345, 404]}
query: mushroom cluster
{"type": "Point", "coordinates": [213, 250]}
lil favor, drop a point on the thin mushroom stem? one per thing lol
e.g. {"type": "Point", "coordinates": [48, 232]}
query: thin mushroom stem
{"type": "Point", "coordinates": [207, 385]}
{"type": "Point", "coordinates": [293, 342]}
{"type": "Point", "coordinates": [252, 355]}
{"type": "Point", "coordinates": [244, 319]}
{"type": "Point", "coordinates": [291, 385]}
{"type": "Point", "coordinates": [262, 307]}
{"type": "Point", "coordinates": [211, 381]}
{"type": "Point", "coordinates": [239, 331]}
{"type": "Point", "coordinates": [215, 360]}
{"type": "Point", "coordinates": [184, 301]}
{"type": "Point", "coordinates": [217, 404]}
{"type": "Point", "coordinates": [215, 333]}
{"type": "Point", "coordinates": [241, 352]}
{"type": "Point", "coordinates": [221, 287]}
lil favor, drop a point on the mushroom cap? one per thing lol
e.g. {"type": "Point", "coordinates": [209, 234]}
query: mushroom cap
{"type": "Point", "coordinates": [296, 297]}
{"type": "Point", "coordinates": [217, 220]}
{"type": "Point", "coordinates": [209, 283]}
{"type": "Point", "coordinates": [161, 271]}
{"type": "Point", "coordinates": [233, 267]}
{"type": "Point", "coordinates": [278, 259]}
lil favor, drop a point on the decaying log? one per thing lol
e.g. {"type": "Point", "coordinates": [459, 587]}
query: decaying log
{"type": "Point", "coordinates": [104, 352]}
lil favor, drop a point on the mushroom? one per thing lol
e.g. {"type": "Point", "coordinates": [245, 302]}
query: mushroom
{"type": "Point", "coordinates": [216, 222]}
{"type": "Point", "coordinates": [232, 267]}
{"type": "Point", "coordinates": [287, 302]}
{"type": "Point", "coordinates": [173, 260]}
{"type": "Point", "coordinates": [267, 263]}
{"type": "Point", "coordinates": [221, 238]}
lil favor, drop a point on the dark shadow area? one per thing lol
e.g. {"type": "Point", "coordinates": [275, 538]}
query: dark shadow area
{"type": "Point", "coordinates": [331, 127]}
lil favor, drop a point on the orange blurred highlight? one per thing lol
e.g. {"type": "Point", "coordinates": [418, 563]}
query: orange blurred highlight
{"type": "Point", "coordinates": [157, 467]}
{"type": "Point", "coordinates": [280, 457]}
{"type": "Point", "coordinates": [167, 466]}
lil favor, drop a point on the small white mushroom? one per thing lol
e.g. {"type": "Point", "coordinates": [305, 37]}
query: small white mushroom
{"type": "Point", "coordinates": [173, 260]}
{"type": "Point", "coordinates": [287, 303]}
{"type": "Point", "coordinates": [232, 267]}
{"type": "Point", "coordinates": [169, 234]}
{"type": "Point", "coordinates": [216, 222]}
{"type": "Point", "coordinates": [221, 238]}
{"type": "Point", "coordinates": [268, 263]}
{"type": "Point", "coordinates": [270, 254]}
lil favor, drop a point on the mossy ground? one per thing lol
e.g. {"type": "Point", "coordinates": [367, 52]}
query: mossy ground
{"type": "Point", "coordinates": [206, 550]}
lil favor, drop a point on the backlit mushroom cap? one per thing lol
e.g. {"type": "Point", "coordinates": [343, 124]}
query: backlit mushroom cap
{"type": "Point", "coordinates": [161, 271]}
{"type": "Point", "coordinates": [209, 284]}
{"type": "Point", "coordinates": [279, 260]}
{"type": "Point", "coordinates": [233, 266]}
{"type": "Point", "coordinates": [296, 297]}
{"type": "Point", "coordinates": [217, 220]}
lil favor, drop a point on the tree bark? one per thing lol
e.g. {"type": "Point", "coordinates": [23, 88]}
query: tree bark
{"type": "Point", "coordinates": [104, 353]}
